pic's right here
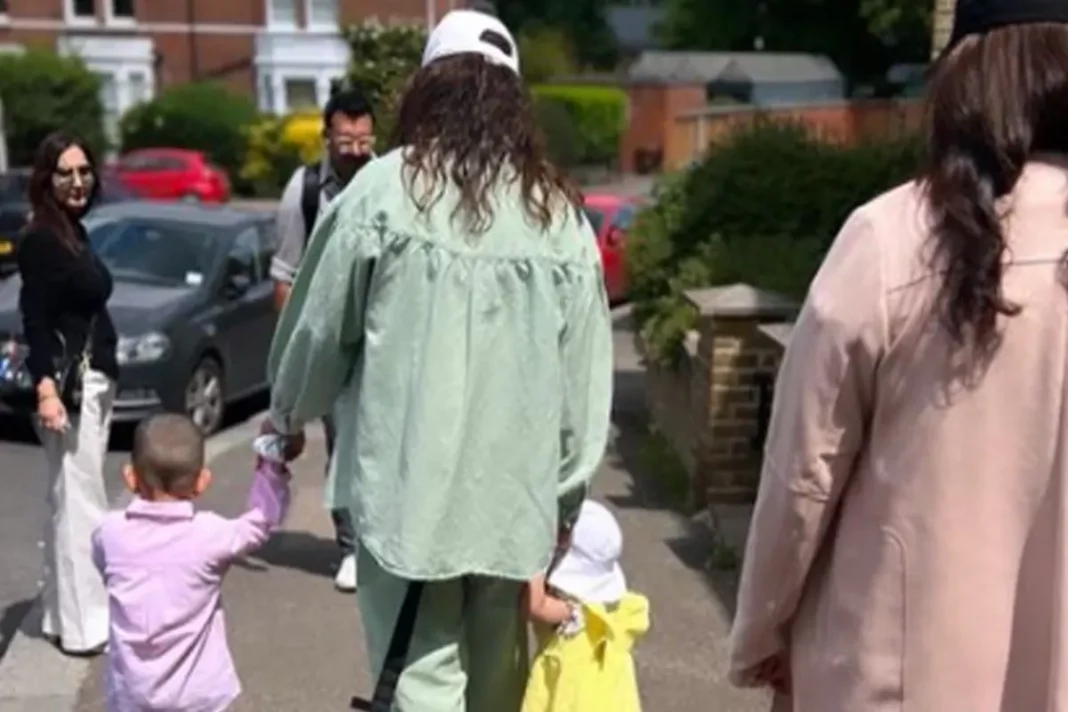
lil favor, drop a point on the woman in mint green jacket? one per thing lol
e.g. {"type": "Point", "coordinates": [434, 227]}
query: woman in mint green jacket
{"type": "Point", "coordinates": [451, 303]}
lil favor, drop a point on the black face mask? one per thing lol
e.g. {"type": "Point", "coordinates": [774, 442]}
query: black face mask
{"type": "Point", "coordinates": [350, 165]}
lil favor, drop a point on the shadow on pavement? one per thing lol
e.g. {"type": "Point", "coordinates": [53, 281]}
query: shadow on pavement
{"type": "Point", "coordinates": [20, 429]}
{"type": "Point", "coordinates": [10, 619]}
{"type": "Point", "coordinates": [695, 548]}
{"type": "Point", "coordinates": [300, 551]}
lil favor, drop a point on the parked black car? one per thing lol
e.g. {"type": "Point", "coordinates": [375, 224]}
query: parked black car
{"type": "Point", "coordinates": [193, 305]}
{"type": "Point", "coordinates": [15, 208]}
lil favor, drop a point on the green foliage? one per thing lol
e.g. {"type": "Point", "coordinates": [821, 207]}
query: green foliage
{"type": "Point", "coordinates": [270, 159]}
{"type": "Point", "coordinates": [203, 117]}
{"type": "Point", "coordinates": [43, 92]}
{"type": "Point", "coordinates": [599, 117]}
{"type": "Point", "coordinates": [866, 38]}
{"type": "Point", "coordinates": [545, 53]}
{"type": "Point", "coordinates": [583, 21]}
{"type": "Point", "coordinates": [761, 208]}
{"type": "Point", "coordinates": [383, 58]}
{"type": "Point", "coordinates": [561, 135]}
{"type": "Point", "coordinates": [660, 461]}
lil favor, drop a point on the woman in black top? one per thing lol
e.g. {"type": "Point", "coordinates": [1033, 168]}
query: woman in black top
{"type": "Point", "coordinates": [71, 342]}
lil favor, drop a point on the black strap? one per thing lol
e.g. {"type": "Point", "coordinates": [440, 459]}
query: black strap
{"type": "Point", "coordinates": [399, 644]}
{"type": "Point", "coordinates": [309, 197]}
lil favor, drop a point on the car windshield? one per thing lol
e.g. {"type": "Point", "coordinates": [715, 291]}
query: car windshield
{"type": "Point", "coordinates": [596, 218]}
{"type": "Point", "coordinates": [155, 252]}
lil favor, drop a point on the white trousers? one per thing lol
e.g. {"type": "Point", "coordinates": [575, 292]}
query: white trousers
{"type": "Point", "coordinates": [74, 600]}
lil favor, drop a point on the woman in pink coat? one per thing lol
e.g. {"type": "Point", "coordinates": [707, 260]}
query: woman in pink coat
{"type": "Point", "coordinates": [909, 546]}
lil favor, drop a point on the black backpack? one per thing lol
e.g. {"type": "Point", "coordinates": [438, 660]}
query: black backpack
{"type": "Point", "coordinates": [310, 194]}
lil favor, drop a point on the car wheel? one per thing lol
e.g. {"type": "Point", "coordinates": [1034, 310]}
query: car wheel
{"type": "Point", "coordinates": [204, 402]}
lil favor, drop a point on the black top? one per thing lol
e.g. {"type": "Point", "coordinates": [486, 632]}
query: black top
{"type": "Point", "coordinates": [62, 290]}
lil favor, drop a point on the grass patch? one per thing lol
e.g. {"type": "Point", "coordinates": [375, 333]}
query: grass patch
{"type": "Point", "coordinates": [663, 465]}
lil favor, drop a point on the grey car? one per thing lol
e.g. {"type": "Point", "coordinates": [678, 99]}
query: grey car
{"type": "Point", "coordinates": [193, 306]}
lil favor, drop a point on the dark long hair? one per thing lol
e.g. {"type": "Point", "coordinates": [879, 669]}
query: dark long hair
{"type": "Point", "coordinates": [470, 122]}
{"type": "Point", "coordinates": [994, 101]}
{"type": "Point", "coordinates": [48, 213]}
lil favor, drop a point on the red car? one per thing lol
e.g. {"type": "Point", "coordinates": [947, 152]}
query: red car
{"type": "Point", "coordinates": [611, 217]}
{"type": "Point", "coordinates": [173, 174]}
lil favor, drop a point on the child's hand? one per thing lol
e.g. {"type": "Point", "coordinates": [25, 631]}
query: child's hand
{"type": "Point", "coordinates": [774, 673]}
{"type": "Point", "coordinates": [294, 442]}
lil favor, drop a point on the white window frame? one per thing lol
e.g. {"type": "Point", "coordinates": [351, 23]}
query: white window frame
{"type": "Point", "coordinates": [80, 20]}
{"type": "Point", "coordinates": [113, 20]}
{"type": "Point", "coordinates": [275, 23]}
{"type": "Point", "coordinates": [5, 17]}
{"type": "Point", "coordinates": [311, 24]}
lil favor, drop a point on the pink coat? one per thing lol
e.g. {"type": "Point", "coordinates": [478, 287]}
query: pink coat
{"type": "Point", "coordinates": [909, 546]}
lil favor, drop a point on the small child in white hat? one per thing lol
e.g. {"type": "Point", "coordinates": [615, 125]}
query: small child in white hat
{"type": "Point", "coordinates": [587, 623]}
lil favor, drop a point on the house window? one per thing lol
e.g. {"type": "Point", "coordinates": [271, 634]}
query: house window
{"type": "Point", "coordinates": [122, 9]}
{"type": "Point", "coordinates": [300, 94]}
{"type": "Point", "coordinates": [84, 8]}
{"type": "Point", "coordinates": [282, 12]}
{"type": "Point", "coordinates": [322, 13]}
{"type": "Point", "coordinates": [3, 7]}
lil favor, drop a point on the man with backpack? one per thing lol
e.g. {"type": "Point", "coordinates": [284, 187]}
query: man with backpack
{"type": "Point", "coordinates": [348, 130]}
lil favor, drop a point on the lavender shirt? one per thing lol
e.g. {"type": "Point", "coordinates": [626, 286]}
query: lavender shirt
{"type": "Point", "coordinates": [163, 565]}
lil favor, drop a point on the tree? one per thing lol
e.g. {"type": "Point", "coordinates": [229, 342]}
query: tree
{"type": "Point", "coordinates": [584, 21]}
{"type": "Point", "coordinates": [43, 92]}
{"type": "Point", "coordinates": [864, 37]}
{"type": "Point", "coordinates": [383, 58]}
{"type": "Point", "coordinates": [545, 53]}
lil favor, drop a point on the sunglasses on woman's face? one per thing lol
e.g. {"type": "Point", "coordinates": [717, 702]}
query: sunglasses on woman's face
{"type": "Point", "coordinates": [66, 175]}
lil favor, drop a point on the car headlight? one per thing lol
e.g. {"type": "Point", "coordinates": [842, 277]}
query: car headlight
{"type": "Point", "coordinates": [142, 349]}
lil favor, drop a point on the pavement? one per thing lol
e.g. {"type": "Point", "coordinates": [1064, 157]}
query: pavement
{"type": "Point", "coordinates": [298, 643]}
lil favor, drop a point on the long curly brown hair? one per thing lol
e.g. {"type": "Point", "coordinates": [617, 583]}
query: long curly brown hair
{"type": "Point", "coordinates": [994, 102]}
{"type": "Point", "coordinates": [470, 122]}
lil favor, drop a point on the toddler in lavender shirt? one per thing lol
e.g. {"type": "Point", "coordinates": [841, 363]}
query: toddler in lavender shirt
{"type": "Point", "coordinates": [163, 564]}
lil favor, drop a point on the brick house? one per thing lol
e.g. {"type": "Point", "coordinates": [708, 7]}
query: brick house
{"type": "Point", "coordinates": [282, 52]}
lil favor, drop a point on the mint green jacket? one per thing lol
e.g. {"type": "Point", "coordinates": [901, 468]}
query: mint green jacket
{"type": "Point", "coordinates": [470, 375]}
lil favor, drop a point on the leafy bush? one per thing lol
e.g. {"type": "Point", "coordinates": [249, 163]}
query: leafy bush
{"type": "Point", "coordinates": [383, 58]}
{"type": "Point", "coordinates": [762, 207]}
{"type": "Point", "coordinates": [43, 92]}
{"type": "Point", "coordinates": [203, 117]}
{"type": "Point", "coordinates": [545, 53]}
{"type": "Point", "coordinates": [599, 115]}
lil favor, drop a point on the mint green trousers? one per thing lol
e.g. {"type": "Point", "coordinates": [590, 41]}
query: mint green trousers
{"type": "Point", "coordinates": [468, 651]}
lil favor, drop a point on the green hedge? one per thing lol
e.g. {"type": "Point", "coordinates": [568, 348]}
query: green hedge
{"type": "Point", "coordinates": [598, 118]}
{"type": "Point", "coordinates": [762, 207]}
{"type": "Point", "coordinates": [43, 92]}
{"type": "Point", "coordinates": [203, 117]}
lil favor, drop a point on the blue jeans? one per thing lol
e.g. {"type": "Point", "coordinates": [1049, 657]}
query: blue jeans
{"type": "Point", "coordinates": [344, 532]}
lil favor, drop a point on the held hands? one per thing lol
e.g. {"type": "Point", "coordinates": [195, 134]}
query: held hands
{"type": "Point", "coordinates": [294, 442]}
{"type": "Point", "coordinates": [50, 408]}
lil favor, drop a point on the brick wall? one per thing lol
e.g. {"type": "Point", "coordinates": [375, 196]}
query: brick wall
{"type": "Point", "coordinates": [847, 121]}
{"type": "Point", "coordinates": [712, 406]}
{"type": "Point", "coordinates": [652, 110]}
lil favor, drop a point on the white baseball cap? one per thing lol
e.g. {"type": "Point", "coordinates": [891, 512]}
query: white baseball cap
{"type": "Point", "coordinates": [590, 569]}
{"type": "Point", "coordinates": [463, 32]}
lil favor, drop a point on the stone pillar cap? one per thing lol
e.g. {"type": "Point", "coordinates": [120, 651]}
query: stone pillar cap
{"type": "Point", "coordinates": [741, 301]}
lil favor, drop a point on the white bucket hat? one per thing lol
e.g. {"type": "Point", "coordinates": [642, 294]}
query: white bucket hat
{"type": "Point", "coordinates": [590, 569]}
{"type": "Point", "coordinates": [463, 32]}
